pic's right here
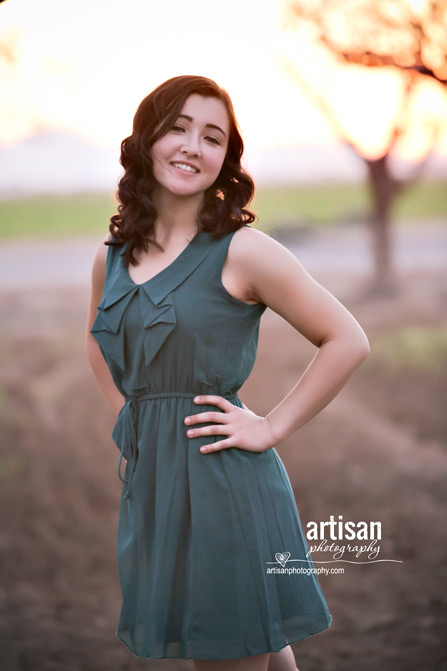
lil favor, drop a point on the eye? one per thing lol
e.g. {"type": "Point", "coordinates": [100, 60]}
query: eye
{"type": "Point", "coordinates": [178, 128]}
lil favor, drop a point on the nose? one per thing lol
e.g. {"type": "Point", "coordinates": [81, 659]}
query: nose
{"type": "Point", "coordinates": [191, 145]}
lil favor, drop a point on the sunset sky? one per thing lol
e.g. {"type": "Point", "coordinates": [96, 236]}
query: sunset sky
{"type": "Point", "coordinates": [84, 67]}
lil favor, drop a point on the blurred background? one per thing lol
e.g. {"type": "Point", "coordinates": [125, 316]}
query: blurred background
{"type": "Point", "coordinates": [342, 105]}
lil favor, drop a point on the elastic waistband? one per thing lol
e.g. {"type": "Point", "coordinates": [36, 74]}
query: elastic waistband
{"type": "Point", "coordinates": [181, 394]}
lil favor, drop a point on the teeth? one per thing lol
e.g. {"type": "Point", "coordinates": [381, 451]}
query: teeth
{"type": "Point", "coordinates": [183, 166]}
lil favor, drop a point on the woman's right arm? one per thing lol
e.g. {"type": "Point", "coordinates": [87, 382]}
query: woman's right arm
{"type": "Point", "coordinates": [94, 354]}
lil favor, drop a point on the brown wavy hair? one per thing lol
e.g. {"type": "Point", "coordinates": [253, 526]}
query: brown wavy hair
{"type": "Point", "coordinates": [223, 207]}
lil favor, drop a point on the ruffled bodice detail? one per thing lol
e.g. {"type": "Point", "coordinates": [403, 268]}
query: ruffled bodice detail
{"type": "Point", "coordinates": [158, 320]}
{"type": "Point", "coordinates": [155, 299]}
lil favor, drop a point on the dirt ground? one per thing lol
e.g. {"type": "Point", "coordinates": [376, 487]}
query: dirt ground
{"type": "Point", "coordinates": [377, 452]}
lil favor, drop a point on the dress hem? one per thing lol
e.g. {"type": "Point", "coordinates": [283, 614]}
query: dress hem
{"type": "Point", "coordinates": [262, 652]}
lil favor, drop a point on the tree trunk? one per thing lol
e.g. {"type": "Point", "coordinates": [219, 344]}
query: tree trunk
{"type": "Point", "coordinates": [384, 188]}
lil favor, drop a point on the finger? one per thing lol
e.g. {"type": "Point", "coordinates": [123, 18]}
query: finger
{"type": "Point", "coordinates": [212, 400]}
{"type": "Point", "coordinates": [215, 447]}
{"type": "Point", "coordinates": [211, 416]}
{"type": "Point", "coordinates": [213, 430]}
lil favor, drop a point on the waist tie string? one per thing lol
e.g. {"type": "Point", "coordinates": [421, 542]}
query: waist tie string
{"type": "Point", "coordinates": [130, 432]}
{"type": "Point", "coordinates": [130, 412]}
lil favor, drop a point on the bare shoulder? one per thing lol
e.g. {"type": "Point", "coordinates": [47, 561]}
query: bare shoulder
{"type": "Point", "coordinates": [101, 252]}
{"type": "Point", "coordinates": [254, 256]}
{"type": "Point", "coordinates": [97, 280]}
{"type": "Point", "coordinates": [99, 264]}
{"type": "Point", "coordinates": [252, 244]}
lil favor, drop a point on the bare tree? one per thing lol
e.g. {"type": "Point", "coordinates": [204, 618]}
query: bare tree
{"type": "Point", "coordinates": [375, 34]}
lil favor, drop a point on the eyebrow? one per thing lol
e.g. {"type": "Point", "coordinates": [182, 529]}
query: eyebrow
{"type": "Point", "coordinates": [208, 125]}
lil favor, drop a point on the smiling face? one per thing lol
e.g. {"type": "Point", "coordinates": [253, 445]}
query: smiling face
{"type": "Point", "coordinates": [188, 158]}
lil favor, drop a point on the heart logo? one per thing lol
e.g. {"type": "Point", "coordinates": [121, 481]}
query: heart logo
{"type": "Point", "coordinates": [282, 557]}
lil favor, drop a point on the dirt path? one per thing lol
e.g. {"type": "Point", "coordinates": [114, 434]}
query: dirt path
{"type": "Point", "coordinates": [377, 452]}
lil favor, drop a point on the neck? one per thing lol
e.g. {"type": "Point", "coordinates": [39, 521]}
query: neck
{"type": "Point", "coordinates": [175, 214]}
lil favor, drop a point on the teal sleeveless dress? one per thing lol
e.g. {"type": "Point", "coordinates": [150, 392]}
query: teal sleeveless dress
{"type": "Point", "coordinates": [210, 545]}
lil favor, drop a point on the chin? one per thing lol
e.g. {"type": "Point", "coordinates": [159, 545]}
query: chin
{"type": "Point", "coordinates": [187, 189]}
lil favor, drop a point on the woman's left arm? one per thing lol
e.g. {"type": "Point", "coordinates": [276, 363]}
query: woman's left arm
{"type": "Point", "coordinates": [272, 275]}
{"type": "Point", "coordinates": [278, 279]}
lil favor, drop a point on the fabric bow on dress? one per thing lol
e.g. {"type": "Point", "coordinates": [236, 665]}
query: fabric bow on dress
{"type": "Point", "coordinates": [158, 320]}
{"type": "Point", "coordinates": [156, 300]}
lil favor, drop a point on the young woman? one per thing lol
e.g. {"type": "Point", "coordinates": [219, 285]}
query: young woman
{"type": "Point", "coordinates": [178, 289]}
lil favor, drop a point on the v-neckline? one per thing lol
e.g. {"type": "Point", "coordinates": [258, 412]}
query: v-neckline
{"type": "Point", "coordinates": [177, 259]}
